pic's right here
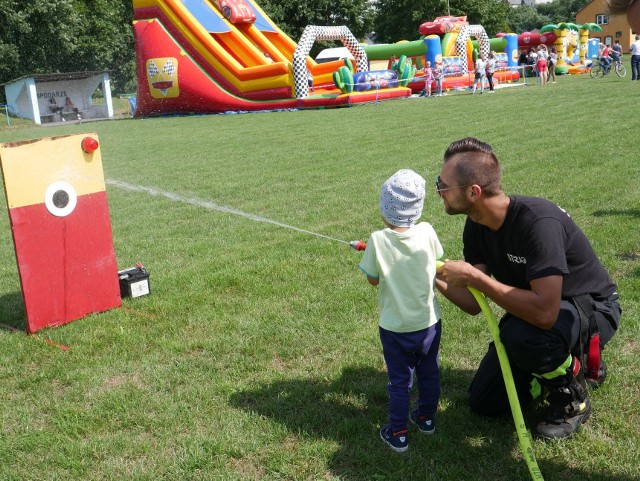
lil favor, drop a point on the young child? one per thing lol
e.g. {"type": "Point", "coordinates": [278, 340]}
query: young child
{"type": "Point", "coordinates": [401, 261]}
{"type": "Point", "coordinates": [428, 79]}
{"type": "Point", "coordinates": [479, 76]}
{"type": "Point", "coordinates": [438, 73]}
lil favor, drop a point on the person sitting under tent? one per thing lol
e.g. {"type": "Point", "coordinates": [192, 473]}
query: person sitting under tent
{"type": "Point", "coordinates": [54, 108]}
{"type": "Point", "coordinates": [68, 105]}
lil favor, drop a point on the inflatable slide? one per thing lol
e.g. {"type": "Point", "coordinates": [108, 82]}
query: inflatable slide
{"type": "Point", "coordinates": [213, 56]}
{"type": "Point", "coordinates": [454, 44]}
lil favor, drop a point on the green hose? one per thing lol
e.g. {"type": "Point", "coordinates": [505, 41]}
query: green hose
{"type": "Point", "coordinates": [523, 434]}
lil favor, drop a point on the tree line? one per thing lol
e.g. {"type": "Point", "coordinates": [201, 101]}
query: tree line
{"type": "Point", "coordinates": [48, 36]}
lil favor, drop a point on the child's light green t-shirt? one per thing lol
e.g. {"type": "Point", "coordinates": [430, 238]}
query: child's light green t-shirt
{"type": "Point", "coordinates": [405, 264]}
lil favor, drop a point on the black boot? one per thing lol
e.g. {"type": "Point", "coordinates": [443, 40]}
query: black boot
{"type": "Point", "coordinates": [569, 404]}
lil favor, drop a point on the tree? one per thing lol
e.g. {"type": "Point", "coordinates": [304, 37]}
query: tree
{"type": "Point", "coordinates": [562, 10]}
{"type": "Point", "coordinates": [525, 19]}
{"type": "Point", "coordinates": [400, 19]}
{"type": "Point", "coordinates": [491, 14]}
{"type": "Point", "coordinates": [49, 36]}
{"type": "Point", "coordinates": [107, 40]}
{"type": "Point", "coordinates": [292, 16]}
{"type": "Point", "coordinates": [34, 36]}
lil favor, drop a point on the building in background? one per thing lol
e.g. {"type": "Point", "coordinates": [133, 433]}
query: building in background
{"type": "Point", "coordinates": [43, 97]}
{"type": "Point", "coordinates": [613, 27]}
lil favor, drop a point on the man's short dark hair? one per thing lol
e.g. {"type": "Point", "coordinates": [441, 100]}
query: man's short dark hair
{"type": "Point", "coordinates": [476, 163]}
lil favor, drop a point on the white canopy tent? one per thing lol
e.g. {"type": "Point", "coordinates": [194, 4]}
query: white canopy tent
{"type": "Point", "coordinates": [30, 96]}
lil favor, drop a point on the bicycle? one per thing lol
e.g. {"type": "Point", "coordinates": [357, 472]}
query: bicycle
{"type": "Point", "coordinates": [600, 69]}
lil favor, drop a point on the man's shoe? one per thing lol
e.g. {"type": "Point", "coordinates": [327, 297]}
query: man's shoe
{"type": "Point", "coordinates": [561, 425]}
{"type": "Point", "coordinates": [398, 441]}
{"type": "Point", "coordinates": [569, 404]}
{"type": "Point", "coordinates": [425, 424]}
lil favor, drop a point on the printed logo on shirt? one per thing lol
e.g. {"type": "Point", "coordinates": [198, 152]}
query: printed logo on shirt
{"type": "Point", "coordinates": [517, 259]}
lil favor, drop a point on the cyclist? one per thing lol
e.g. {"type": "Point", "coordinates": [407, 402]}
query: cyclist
{"type": "Point", "coordinates": [605, 58]}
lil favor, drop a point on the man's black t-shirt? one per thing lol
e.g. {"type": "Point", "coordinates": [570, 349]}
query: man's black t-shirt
{"type": "Point", "coordinates": [538, 239]}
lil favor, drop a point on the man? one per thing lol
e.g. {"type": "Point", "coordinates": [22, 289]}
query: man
{"type": "Point", "coordinates": [635, 59]}
{"type": "Point", "coordinates": [629, 7]}
{"type": "Point", "coordinates": [616, 51]}
{"type": "Point", "coordinates": [530, 258]}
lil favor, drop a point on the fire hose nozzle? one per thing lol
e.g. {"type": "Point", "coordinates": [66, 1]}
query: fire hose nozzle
{"type": "Point", "coordinates": [358, 245]}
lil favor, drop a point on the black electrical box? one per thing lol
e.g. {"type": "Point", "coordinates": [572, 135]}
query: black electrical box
{"type": "Point", "coordinates": [134, 282]}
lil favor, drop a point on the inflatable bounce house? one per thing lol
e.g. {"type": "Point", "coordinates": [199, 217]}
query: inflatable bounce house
{"type": "Point", "coordinates": [213, 56]}
{"type": "Point", "coordinates": [575, 50]}
{"type": "Point", "coordinates": [455, 44]}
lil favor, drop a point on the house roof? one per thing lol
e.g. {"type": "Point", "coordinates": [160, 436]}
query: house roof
{"type": "Point", "coordinates": [580, 11]}
{"type": "Point", "coordinates": [52, 77]}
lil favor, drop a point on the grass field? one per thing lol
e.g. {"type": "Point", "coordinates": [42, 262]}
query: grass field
{"type": "Point", "coordinates": [256, 356]}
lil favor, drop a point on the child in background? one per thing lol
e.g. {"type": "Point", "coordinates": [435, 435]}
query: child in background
{"type": "Point", "coordinates": [438, 73]}
{"type": "Point", "coordinates": [428, 79]}
{"type": "Point", "coordinates": [310, 80]}
{"type": "Point", "coordinates": [479, 76]}
{"type": "Point", "coordinates": [401, 261]}
{"type": "Point", "coordinates": [552, 61]}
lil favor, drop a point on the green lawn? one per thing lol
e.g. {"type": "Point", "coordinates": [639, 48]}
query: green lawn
{"type": "Point", "coordinates": [256, 356]}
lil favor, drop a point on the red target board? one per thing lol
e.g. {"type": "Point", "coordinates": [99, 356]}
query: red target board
{"type": "Point", "coordinates": [61, 228]}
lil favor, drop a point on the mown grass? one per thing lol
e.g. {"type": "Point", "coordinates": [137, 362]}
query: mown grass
{"type": "Point", "coordinates": [256, 355]}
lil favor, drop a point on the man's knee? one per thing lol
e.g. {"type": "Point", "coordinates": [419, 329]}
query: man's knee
{"type": "Point", "coordinates": [541, 350]}
{"type": "Point", "coordinates": [487, 403]}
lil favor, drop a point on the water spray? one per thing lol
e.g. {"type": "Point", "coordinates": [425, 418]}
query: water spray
{"type": "Point", "coordinates": [523, 435]}
{"type": "Point", "coordinates": [357, 245]}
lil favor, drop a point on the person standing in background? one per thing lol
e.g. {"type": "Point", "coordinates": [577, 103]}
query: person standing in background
{"type": "Point", "coordinates": [479, 74]}
{"type": "Point", "coordinates": [491, 68]}
{"type": "Point", "coordinates": [438, 73]}
{"type": "Point", "coordinates": [552, 61]}
{"type": "Point", "coordinates": [541, 65]}
{"type": "Point", "coordinates": [635, 59]}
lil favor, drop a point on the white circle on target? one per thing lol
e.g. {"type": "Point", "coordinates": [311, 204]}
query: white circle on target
{"type": "Point", "coordinates": [60, 199]}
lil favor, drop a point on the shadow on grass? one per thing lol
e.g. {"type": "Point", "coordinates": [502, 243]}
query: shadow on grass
{"type": "Point", "coordinates": [351, 409]}
{"type": "Point", "coordinates": [12, 311]}
{"type": "Point", "coordinates": [622, 212]}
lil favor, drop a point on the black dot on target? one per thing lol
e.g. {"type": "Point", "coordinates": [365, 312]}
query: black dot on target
{"type": "Point", "coordinates": [60, 199]}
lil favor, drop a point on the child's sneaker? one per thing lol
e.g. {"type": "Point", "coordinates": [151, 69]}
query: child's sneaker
{"type": "Point", "coordinates": [425, 424]}
{"type": "Point", "coordinates": [399, 441]}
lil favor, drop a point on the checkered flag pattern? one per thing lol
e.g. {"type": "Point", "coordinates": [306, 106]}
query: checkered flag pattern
{"type": "Point", "coordinates": [152, 69]}
{"type": "Point", "coordinates": [309, 36]}
{"type": "Point", "coordinates": [479, 33]}
{"type": "Point", "coordinates": [169, 68]}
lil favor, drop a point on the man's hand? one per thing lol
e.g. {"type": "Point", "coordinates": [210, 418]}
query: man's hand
{"type": "Point", "coordinates": [458, 273]}
{"type": "Point", "coordinates": [459, 295]}
{"type": "Point", "coordinates": [538, 305]}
